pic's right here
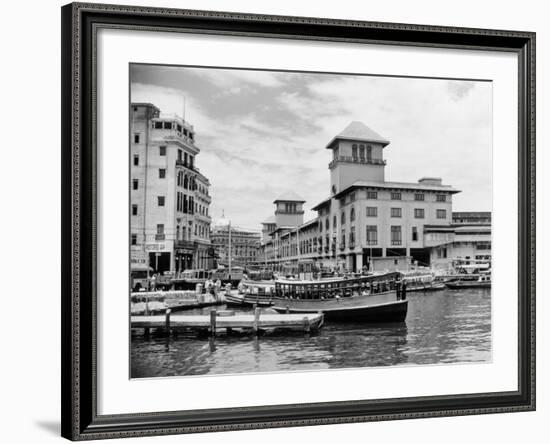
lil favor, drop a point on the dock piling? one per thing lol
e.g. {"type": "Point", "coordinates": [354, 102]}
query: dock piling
{"type": "Point", "coordinates": [167, 322]}
{"type": "Point", "coordinates": [212, 322]}
{"type": "Point", "coordinates": [256, 320]}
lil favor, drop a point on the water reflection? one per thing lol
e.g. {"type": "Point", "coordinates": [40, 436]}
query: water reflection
{"type": "Point", "coordinates": [447, 326]}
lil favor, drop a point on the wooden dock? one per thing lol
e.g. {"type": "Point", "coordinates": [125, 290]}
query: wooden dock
{"type": "Point", "coordinates": [255, 322]}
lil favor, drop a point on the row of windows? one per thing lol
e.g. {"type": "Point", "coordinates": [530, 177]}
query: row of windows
{"type": "Point", "coordinates": [396, 195]}
{"type": "Point", "coordinates": [173, 125]}
{"type": "Point", "coordinates": [419, 213]}
{"type": "Point", "coordinates": [361, 151]}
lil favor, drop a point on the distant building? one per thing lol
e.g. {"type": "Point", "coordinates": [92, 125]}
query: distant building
{"type": "Point", "coordinates": [245, 244]}
{"type": "Point", "coordinates": [170, 221]}
{"type": "Point", "coordinates": [367, 217]}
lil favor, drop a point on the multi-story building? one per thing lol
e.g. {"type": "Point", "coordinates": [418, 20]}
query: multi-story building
{"type": "Point", "coordinates": [169, 214]}
{"type": "Point", "coordinates": [364, 215]}
{"type": "Point", "coordinates": [245, 244]}
{"type": "Point", "coordinates": [472, 235]}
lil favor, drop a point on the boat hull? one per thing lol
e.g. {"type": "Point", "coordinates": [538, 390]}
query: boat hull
{"type": "Point", "coordinates": [460, 286]}
{"type": "Point", "coordinates": [386, 311]}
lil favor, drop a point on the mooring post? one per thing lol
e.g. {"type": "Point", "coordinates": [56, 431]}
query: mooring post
{"type": "Point", "coordinates": [213, 322]}
{"type": "Point", "coordinates": [256, 320]}
{"type": "Point", "coordinates": [306, 324]}
{"type": "Point", "coordinates": [167, 321]}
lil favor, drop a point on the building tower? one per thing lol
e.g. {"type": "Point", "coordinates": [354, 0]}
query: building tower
{"type": "Point", "coordinates": [357, 154]}
{"type": "Point", "coordinates": [289, 210]}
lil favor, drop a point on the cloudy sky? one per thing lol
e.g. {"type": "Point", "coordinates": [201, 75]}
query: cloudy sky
{"type": "Point", "coordinates": [262, 133]}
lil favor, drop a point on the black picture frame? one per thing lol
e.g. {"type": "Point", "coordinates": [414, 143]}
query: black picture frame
{"type": "Point", "coordinates": [80, 22]}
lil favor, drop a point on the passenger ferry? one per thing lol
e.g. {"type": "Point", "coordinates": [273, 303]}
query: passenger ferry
{"type": "Point", "coordinates": [258, 293]}
{"type": "Point", "coordinates": [376, 298]}
{"type": "Point", "coordinates": [422, 280]}
{"type": "Point", "coordinates": [482, 281]}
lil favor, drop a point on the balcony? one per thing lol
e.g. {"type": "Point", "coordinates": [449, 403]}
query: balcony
{"type": "Point", "coordinates": [187, 165]}
{"type": "Point", "coordinates": [396, 242]}
{"type": "Point", "coordinates": [361, 160]}
{"type": "Point", "coordinates": [160, 237]}
{"type": "Point", "coordinates": [343, 246]}
{"type": "Point", "coordinates": [184, 244]}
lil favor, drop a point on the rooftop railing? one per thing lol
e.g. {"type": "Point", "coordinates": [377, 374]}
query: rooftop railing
{"type": "Point", "coordinates": [351, 159]}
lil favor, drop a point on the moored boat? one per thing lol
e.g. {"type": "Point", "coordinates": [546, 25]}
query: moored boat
{"type": "Point", "coordinates": [482, 281]}
{"type": "Point", "coordinates": [422, 280]}
{"type": "Point", "coordinates": [258, 293]}
{"type": "Point", "coordinates": [375, 298]}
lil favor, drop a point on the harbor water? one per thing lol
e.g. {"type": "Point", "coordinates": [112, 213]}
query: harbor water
{"type": "Point", "coordinates": [442, 327]}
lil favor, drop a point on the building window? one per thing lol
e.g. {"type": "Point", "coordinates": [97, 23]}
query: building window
{"type": "Point", "coordinates": [135, 184]}
{"type": "Point", "coordinates": [185, 182]}
{"type": "Point", "coordinates": [134, 210]}
{"type": "Point", "coordinates": [419, 196]}
{"type": "Point", "coordinates": [334, 222]}
{"type": "Point", "coordinates": [441, 214]}
{"type": "Point", "coordinates": [160, 200]}
{"type": "Point", "coordinates": [396, 234]}
{"type": "Point", "coordinates": [158, 125]}
{"type": "Point", "coordinates": [162, 173]}
{"type": "Point", "coordinates": [419, 213]}
{"type": "Point", "coordinates": [352, 237]}
{"type": "Point", "coordinates": [362, 152]}
{"type": "Point", "coordinates": [354, 151]}
{"type": "Point", "coordinates": [136, 138]}
{"type": "Point", "coordinates": [395, 195]}
{"type": "Point", "coordinates": [160, 232]}
{"type": "Point", "coordinates": [180, 153]}
{"type": "Point", "coordinates": [396, 212]}
{"type": "Point", "coordinates": [369, 153]}
{"type": "Point", "coordinates": [372, 195]}
{"type": "Point", "coordinates": [414, 234]}
{"type": "Point", "coordinates": [441, 198]}
{"type": "Point", "coordinates": [191, 162]}
{"type": "Point", "coordinates": [134, 239]}
{"type": "Point", "coordinates": [178, 128]}
{"type": "Point", "coordinates": [162, 150]}
{"type": "Point", "coordinates": [352, 215]}
{"type": "Point", "coordinates": [290, 208]}
{"type": "Point", "coordinates": [372, 212]}
{"type": "Point", "coordinates": [343, 218]}
{"type": "Point", "coordinates": [168, 125]}
{"type": "Point", "coordinates": [352, 197]}
{"type": "Point", "coordinates": [136, 160]}
{"type": "Point", "coordinates": [372, 234]}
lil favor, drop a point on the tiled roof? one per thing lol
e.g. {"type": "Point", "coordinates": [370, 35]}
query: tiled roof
{"type": "Point", "coordinates": [399, 185]}
{"type": "Point", "coordinates": [360, 132]}
{"type": "Point", "coordinates": [289, 196]}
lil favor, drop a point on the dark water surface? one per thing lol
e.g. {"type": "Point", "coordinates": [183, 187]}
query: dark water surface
{"type": "Point", "coordinates": [448, 326]}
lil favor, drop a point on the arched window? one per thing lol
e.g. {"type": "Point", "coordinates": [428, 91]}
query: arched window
{"type": "Point", "coordinates": [343, 218]}
{"type": "Point", "coordinates": [326, 224]}
{"type": "Point", "coordinates": [361, 151]}
{"type": "Point", "coordinates": [334, 222]}
{"type": "Point", "coordinates": [369, 153]}
{"type": "Point", "coordinates": [354, 151]}
{"type": "Point", "coordinates": [185, 182]}
{"type": "Point", "coordinates": [352, 214]}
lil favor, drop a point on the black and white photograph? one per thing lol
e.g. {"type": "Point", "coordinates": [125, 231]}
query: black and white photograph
{"type": "Point", "coordinates": [299, 221]}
